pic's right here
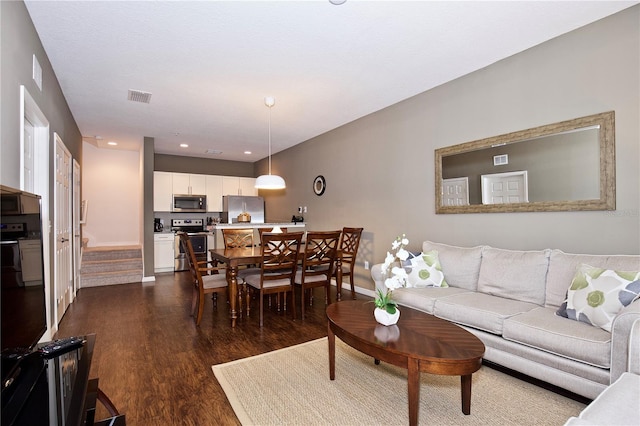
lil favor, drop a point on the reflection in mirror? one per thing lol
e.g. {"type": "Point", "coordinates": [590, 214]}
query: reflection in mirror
{"type": "Point", "coordinates": [558, 167]}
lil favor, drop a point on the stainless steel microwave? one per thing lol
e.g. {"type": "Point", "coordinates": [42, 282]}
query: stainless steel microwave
{"type": "Point", "coordinates": [189, 203]}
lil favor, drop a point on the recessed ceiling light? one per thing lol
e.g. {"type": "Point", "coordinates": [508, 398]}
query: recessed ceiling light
{"type": "Point", "coordinates": [184, 145]}
{"type": "Point", "coordinates": [112, 143]}
{"type": "Point", "coordinates": [247, 152]}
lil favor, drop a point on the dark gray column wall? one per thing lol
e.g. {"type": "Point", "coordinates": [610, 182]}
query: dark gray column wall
{"type": "Point", "coordinates": [147, 197]}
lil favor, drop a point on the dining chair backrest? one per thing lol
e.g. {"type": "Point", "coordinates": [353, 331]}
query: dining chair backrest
{"type": "Point", "coordinates": [320, 253]}
{"type": "Point", "coordinates": [263, 230]}
{"type": "Point", "coordinates": [234, 238]}
{"type": "Point", "coordinates": [349, 243]}
{"type": "Point", "coordinates": [280, 255]}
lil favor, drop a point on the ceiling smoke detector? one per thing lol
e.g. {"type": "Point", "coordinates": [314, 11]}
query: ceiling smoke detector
{"type": "Point", "coordinates": [139, 96]}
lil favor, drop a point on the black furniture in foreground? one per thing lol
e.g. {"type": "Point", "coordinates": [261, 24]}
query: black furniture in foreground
{"type": "Point", "coordinates": [55, 391]}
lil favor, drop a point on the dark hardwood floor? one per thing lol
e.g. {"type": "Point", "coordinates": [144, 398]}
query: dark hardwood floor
{"type": "Point", "coordinates": [155, 364]}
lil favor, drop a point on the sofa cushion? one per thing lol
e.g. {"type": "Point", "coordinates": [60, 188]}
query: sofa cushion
{"type": "Point", "coordinates": [460, 265]}
{"type": "Point", "coordinates": [479, 310]}
{"type": "Point", "coordinates": [425, 271]}
{"type": "Point", "coordinates": [424, 298]}
{"type": "Point", "coordinates": [563, 266]}
{"type": "Point", "coordinates": [542, 329]}
{"type": "Point", "coordinates": [514, 274]}
{"type": "Point", "coordinates": [596, 295]}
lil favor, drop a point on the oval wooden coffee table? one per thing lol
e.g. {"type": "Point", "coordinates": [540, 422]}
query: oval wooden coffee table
{"type": "Point", "coordinates": [419, 342]}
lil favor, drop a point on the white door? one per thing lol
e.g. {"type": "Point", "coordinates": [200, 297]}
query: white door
{"type": "Point", "coordinates": [505, 188]}
{"type": "Point", "coordinates": [63, 283]}
{"type": "Point", "coordinates": [77, 243]}
{"type": "Point", "coordinates": [455, 192]}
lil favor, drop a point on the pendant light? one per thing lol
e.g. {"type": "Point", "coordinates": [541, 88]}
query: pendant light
{"type": "Point", "coordinates": [270, 181]}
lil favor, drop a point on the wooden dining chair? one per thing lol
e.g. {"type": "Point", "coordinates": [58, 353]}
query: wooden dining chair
{"type": "Point", "coordinates": [320, 253]}
{"type": "Point", "coordinates": [206, 279]}
{"type": "Point", "coordinates": [349, 243]}
{"type": "Point", "coordinates": [278, 268]}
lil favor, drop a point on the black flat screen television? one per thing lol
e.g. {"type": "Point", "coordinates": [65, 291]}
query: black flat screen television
{"type": "Point", "coordinates": [23, 303]}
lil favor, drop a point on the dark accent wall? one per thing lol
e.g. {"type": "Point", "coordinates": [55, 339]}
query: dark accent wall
{"type": "Point", "coordinates": [205, 166]}
{"type": "Point", "coordinates": [147, 204]}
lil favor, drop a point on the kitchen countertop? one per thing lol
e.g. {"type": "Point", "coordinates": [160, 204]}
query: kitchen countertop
{"type": "Point", "coordinates": [257, 225]}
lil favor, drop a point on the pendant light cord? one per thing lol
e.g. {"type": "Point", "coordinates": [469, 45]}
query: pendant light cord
{"type": "Point", "coordinates": [269, 139]}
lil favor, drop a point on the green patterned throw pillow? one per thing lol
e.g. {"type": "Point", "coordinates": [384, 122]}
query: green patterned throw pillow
{"type": "Point", "coordinates": [426, 271]}
{"type": "Point", "coordinates": [596, 295]}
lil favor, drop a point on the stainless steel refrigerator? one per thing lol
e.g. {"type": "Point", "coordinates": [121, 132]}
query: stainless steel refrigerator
{"type": "Point", "coordinates": [233, 205]}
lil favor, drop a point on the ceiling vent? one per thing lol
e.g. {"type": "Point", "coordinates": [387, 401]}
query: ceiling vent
{"type": "Point", "coordinates": [213, 151]}
{"type": "Point", "coordinates": [139, 96]}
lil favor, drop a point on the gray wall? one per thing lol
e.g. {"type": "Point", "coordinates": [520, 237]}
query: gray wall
{"type": "Point", "coordinates": [379, 169]}
{"type": "Point", "coordinates": [19, 41]}
{"type": "Point", "coordinates": [148, 165]}
{"type": "Point", "coordinates": [205, 166]}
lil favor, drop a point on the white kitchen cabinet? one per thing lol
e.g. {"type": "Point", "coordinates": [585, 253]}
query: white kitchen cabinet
{"type": "Point", "coordinates": [233, 185]}
{"type": "Point", "coordinates": [230, 185]}
{"type": "Point", "coordinates": [163, 255]}
{"type": "Point", "coordinates": [214, 193]}
{"type": "Point", "coordinates": [248, 186]}
{"type": "Point", "coordinates": [162, 191]}
{"type": "Point", "coordinates": [186, 183]}
{"type": "Point", "coordinates": [31, 260]}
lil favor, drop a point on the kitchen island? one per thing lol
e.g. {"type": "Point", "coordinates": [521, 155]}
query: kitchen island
{"type": "Point", "coordinates": [216, 230]}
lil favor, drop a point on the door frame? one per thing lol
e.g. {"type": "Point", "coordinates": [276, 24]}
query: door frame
{"type": "Point", "coordinates": [30, 110]}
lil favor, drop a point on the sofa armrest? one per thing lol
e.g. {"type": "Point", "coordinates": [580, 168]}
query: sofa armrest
{"type": "Point", "coordinates": [634, 348]}
{"type": "Point", "coordinates": [624, 332]}
{"type": "Point", "coordinates": [376, 274]}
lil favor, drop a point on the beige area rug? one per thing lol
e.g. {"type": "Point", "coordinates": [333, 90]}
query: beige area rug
{"type": "Point", "coordinates": [291, 386]}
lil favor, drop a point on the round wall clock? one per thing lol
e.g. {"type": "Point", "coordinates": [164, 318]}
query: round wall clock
{"type": "Point", "coordinates": [319, 185]}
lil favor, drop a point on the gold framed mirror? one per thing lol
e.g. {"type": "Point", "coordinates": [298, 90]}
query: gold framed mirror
{"type": "Point", "coordinates": [565, 166]}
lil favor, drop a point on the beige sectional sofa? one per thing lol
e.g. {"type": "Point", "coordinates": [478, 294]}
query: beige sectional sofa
{"type": "Point", "coordinates": [509, 299]}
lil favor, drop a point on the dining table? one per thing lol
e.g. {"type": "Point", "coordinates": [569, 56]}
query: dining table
{"type": "Point", "coordinates": [233, 258]}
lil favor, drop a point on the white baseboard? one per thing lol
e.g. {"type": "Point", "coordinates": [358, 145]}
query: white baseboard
{"type": "Point", "coordinates": [346, 288]}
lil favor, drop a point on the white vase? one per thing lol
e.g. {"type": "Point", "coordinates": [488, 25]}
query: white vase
{"type": "Point", "coordinates": [385, 318]}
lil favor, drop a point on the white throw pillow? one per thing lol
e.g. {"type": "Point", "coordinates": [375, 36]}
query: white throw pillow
{"type": "Point", "coordinates": [426, 271]}
{"type": "Point", "coordinates": [596, 295]}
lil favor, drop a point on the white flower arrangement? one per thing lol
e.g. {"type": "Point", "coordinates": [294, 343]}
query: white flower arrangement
{"type": "Point", "coordinates": [395, 277]}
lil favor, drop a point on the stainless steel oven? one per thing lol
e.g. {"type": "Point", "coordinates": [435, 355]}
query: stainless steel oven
{"type": "Point", "coordinates": [194, 228]}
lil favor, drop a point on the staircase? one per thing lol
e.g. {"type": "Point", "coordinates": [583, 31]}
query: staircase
{"type": "Point", "coordinates": [110, 265]}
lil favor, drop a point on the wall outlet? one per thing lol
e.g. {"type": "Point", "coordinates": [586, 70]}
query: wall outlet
{"type": "Point", "coordinates": [300, 209]}
{"type": "Point", "coordinates": [305, 209]}
{"type": "Point", "coordinates": [366, 264]}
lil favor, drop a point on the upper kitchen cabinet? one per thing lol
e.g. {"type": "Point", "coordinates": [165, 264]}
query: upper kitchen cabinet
{"type": "Point", "coordinates": [162, 191]}
{"type": "Point", "coordinates": [184, 183]}
{"type": "Point", "coordinates": [248, 186]}
{"type": "Point", "coordinates": [214, 193]}
{"type": "Point", "coordinates": [233, 185]}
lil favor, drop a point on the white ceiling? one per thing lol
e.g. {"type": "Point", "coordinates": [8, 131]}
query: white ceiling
{"type": "Point", "coordinates": [209, 64]}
